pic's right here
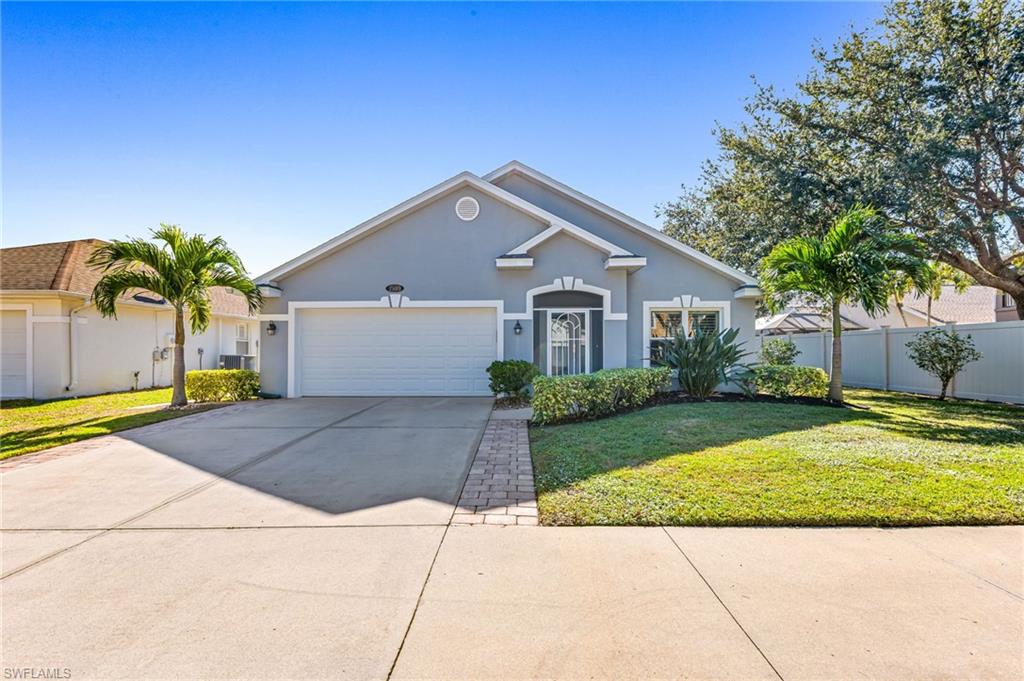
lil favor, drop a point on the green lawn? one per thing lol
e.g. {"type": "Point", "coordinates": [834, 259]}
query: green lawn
{"type": "Point", "coordinates": [893, 460]}
{"type": "Point", "coordinates": [28, 426]}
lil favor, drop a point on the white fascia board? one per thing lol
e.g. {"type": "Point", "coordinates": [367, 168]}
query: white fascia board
{"type": "Point", "coordinates": [748, 292]}
{"type": "Point", "coordinates": [513, 263]}
{"type": "Point", "coordinates": [618, 216]}
{"type": "Point", "coordinates": [625, 263]}
{"type": "Point", "coordinates": [465, 178]}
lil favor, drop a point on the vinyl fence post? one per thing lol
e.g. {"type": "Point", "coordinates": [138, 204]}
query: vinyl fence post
{"type": "Point", "coordinates": [824, 353]}
{"type": "Point", "coordinates": [952, 382]}
{"type": "Point", "coordinates": [884, 335]}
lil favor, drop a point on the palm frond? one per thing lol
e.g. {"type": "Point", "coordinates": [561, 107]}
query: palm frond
{"type": "Point", "coordinates": [113, 285]}
{"type": "Point", "coordinates": [182, 270]}
{"type": "Point", "coordinates": [242, 284]}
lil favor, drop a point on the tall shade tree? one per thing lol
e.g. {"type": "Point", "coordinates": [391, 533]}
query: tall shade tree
{"type": "Point", "coordinates": [854, 262]}
{"type": "Point", "coordinates": [182, 269]}
{"type": "Point", "coordinates": [921, 116]}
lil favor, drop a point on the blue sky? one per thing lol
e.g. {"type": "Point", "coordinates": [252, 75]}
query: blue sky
{"type": "Point", "coordinates": [281, 125]}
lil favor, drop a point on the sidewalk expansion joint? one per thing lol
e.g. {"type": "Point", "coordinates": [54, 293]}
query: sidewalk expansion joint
{"type": "Point", "coordinates": [721, 602]}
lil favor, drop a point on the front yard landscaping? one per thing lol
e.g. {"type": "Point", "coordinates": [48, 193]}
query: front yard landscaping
{"type": "Point", "coordinates": [29, 426]}
{"type": "Point", "coordinates": [891, 459]}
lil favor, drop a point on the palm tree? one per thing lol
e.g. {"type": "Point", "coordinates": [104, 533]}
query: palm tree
{"type": "Point", "coordinates": [854, 262]}
{"type": "Point", "coordinates": [182, 270]}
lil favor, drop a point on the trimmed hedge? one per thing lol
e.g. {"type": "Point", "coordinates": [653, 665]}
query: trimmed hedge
{"type": "Point", "coordinates": [788, 380]}
{"type": "Point", "coordinates": [511, 377]}
{"type": "Point", "coordinates": [557, 399]}
{"type": "Point", "coordinates": [216, 385]}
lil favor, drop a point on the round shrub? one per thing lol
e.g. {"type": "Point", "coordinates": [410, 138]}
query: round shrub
{"type": "Point", "coordinates": [511, 377]}
{"type": "Point", "coordinates": [779, 351]}
{"type": "Point", "coordinates": [786, 380]}
{"type": "Point", "coordinates": [217, 385]}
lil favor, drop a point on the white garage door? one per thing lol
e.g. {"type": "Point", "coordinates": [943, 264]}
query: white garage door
{"type": "Point", "coordinates": [13, 355]}
{"type": "Point", "coordinates": [409, 351]}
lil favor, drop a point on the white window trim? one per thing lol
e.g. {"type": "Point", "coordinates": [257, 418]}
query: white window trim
{"type": "Point", "coordinates": [247, 339]}
{"type": "Point", "coordinates": [684, 304]}
{"type": "Point", "coordinates": [30, 320]}
{"type": "Point", "coordinates": [570, 283]}
{"type": "Point", "coordinates": [391, 301]}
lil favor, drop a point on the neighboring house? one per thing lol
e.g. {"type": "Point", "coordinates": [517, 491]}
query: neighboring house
{"type": "Point", "coordinates": [1006, 309]}
{"type": "Point", "coordinates": [973, 306]}
{"type": "Point", "coordinates": [53, 342]}
{"type": "Point", "coordinates": [422, 298]}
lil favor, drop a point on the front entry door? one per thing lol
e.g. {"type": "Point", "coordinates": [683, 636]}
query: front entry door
{"type": "Point", "coordinates": [568, 342]}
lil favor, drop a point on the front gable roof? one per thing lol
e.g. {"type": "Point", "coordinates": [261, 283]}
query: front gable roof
{"type": "Point", "coordinates": [515, 167]}
{"type": "Point", "coordinates": [618, 257]}
{"type": "Point", "coordinates": [463, 179]}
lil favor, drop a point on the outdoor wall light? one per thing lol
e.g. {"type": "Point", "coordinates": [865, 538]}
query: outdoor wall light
{"type": "Point", "coordinates": [271, 329]}
{"type": "Point", "coordinates": [518, 328]}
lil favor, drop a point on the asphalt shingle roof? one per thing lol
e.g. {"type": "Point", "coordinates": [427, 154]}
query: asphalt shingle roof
{"type": "Point", "coordinates": [61, 266]}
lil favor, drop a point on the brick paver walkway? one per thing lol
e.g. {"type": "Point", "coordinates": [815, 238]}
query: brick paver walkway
{"type": "Point", "coordinates": [499, 489]}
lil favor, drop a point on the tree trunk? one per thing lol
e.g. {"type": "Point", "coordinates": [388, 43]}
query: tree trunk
{"type": "Point", "coordinates": [903, 315]}
{"type": "Point", "coordinates": [835, 383]}
{"type": "Point", "coordinates": [942, 393]}
{"type": "Point", "coordinates": [1020, 306]}
{"type": "Point", "coordinates": [929, 311]}
{"type": "Point", "coordinates": [178, 398]}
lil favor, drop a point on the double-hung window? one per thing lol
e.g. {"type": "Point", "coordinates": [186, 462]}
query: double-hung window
{"type": "Point", "coordinates": [242, 339]}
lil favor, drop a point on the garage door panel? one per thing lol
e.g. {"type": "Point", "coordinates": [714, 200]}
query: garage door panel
{"type": "Point", "coordinates": [13, 354]}
{"type": "Point", "coordinates": [420, 351]}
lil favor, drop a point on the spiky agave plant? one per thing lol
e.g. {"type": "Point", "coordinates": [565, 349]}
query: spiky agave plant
{"type": "Point", "coordinates": [182, 269]}
{"type": "Point", "coordinates": [704, 360]}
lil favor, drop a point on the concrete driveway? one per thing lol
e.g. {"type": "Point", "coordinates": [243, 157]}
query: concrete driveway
{"type": "Point", "coordinates": [310, 539]}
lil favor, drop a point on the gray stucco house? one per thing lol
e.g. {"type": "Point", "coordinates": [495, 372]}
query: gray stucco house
{"type": "Point", "coordinates": [513, 264]}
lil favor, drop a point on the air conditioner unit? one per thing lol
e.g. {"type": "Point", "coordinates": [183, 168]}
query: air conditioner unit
{"type": "Point", "coordinates": [236, 361]}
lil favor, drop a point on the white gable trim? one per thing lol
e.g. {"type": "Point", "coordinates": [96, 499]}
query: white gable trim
{"type": "Point", "coordinates": [592, 203]}
{"type": "Point", "coordinates": [464, 179]}
{"type": "Point", "coordinates": [577, 232]}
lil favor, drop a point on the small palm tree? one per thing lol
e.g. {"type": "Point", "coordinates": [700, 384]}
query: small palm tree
{"type": "Point", "coordinates": [854, 262]}
{"type": "Point", "coordinates": [182, 270]}
{"type": "Point", "coordinates": [928, 284]}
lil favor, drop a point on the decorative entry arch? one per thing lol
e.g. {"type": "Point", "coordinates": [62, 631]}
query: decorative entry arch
{"type": "Point", "coordinates": [569, 284]}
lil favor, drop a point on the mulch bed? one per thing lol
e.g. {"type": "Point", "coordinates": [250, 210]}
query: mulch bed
{"type": "Point", "coordinates": [676, 397]}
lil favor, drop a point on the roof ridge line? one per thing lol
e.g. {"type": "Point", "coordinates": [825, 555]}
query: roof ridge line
{"type": "Point", "coordinates": [62, 277]}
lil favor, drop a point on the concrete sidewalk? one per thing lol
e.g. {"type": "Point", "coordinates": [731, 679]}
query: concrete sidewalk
{"type": "Point", "coordinates": [935, 603]}
{"type": "Point", "coordinates": [478, 602]}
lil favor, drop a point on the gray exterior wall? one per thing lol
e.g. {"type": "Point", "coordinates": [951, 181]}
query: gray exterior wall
{"type": "Point", "coordinates": [436, 256]}
{"type": "Point", "coordinates": [667, 274]}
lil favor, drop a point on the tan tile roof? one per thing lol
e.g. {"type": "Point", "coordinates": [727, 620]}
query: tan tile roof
{"type": "Point", "coordinates": [62, 266]}
{"type": "Point", "coordinates": [976, 305]}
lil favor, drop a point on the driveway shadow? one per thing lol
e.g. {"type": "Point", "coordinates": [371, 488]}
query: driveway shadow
{"type": "Point", "coordinates": [325, 457]}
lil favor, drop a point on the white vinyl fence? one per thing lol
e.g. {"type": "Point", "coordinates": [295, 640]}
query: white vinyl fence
{"type": "Point", "coordinates": [878, 358]}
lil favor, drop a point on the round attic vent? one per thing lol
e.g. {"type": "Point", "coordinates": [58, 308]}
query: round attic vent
{"type": "Point", "coordinates": [467, 208]}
